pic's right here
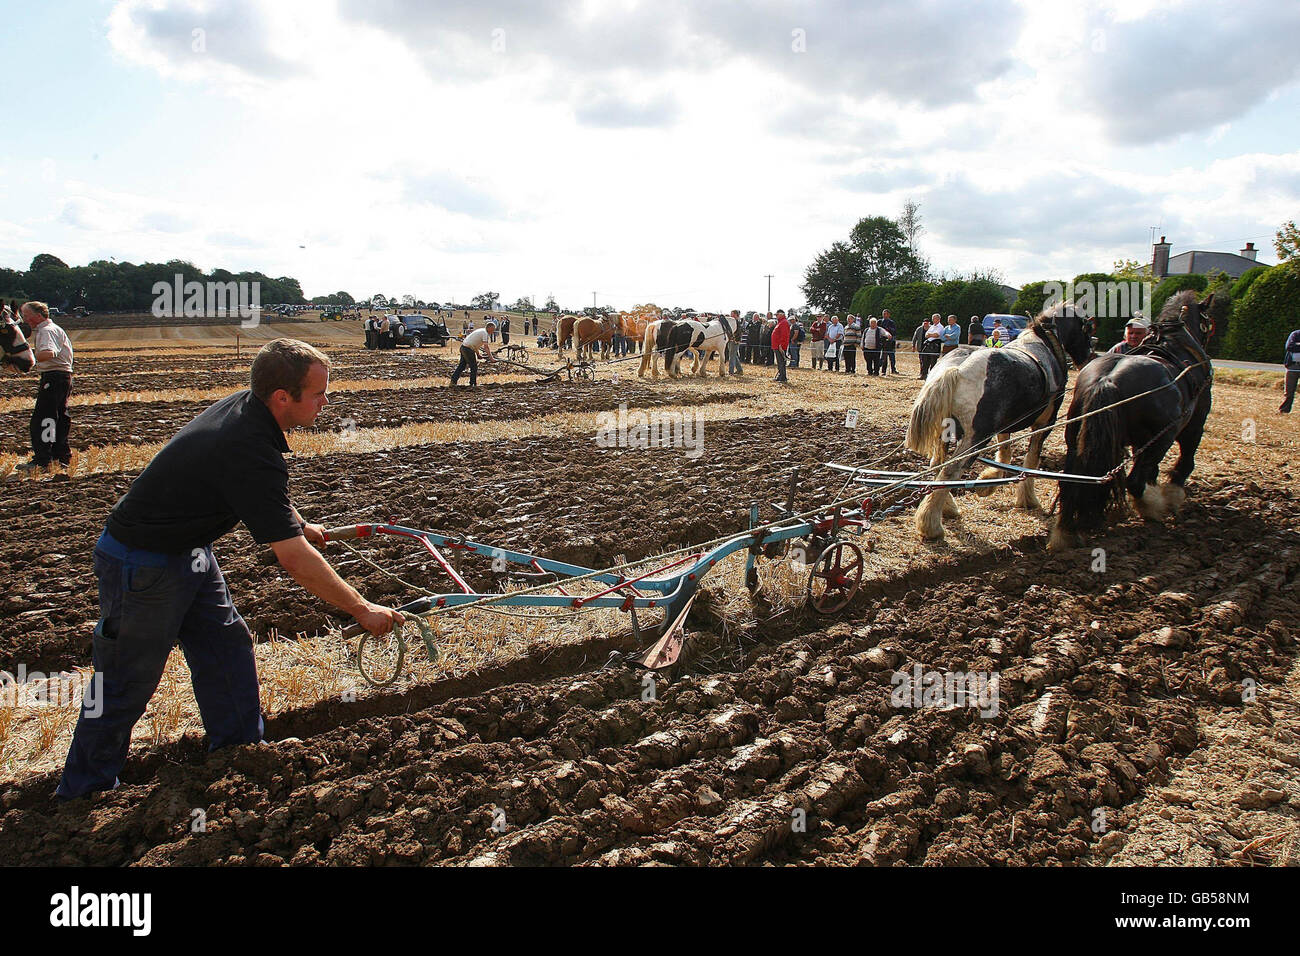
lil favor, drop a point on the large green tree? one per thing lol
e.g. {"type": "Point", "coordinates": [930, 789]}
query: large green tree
{"type": "Point", "coordinates": [877, 253]}
{"type": "Point", "coordinates": [1287, 241]}
{"type": "Point", "coordinates": [50, 280]}
{"type": "Point", "coordinates": [1032, 297]}
{"type": "Point", "coordinates": [886, 257]}
{"type": "Point", "coordinates": [833, 278]}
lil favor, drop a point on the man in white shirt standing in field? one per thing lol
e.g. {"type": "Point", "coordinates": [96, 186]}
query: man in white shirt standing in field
{"type": "Point", "coordinates": [50, 420]}
{"type": "Point", "coordinates": [471, 344]}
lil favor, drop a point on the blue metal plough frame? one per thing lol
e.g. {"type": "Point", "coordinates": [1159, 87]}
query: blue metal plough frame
{"type": "Point", "coordinates": [670, 587]}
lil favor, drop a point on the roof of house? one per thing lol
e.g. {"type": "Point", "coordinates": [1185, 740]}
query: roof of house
{"type": "Point", "coordinates": [1201, 262]}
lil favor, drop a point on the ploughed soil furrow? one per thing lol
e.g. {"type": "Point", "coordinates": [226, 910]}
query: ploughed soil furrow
{"type": "Point", "coordinates": [564, 497]}
{"type": "Point", "coordinates": [808, 752]}
{"type": "Point", "coordinates": [145, 422]}
{"type": "Point", "coordinates": [117, 374]}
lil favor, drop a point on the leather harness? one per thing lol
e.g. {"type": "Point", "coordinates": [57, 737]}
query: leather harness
{"type": "Point", "coordinates": [9, 346]}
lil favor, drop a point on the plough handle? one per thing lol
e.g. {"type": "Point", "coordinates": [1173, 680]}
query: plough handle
{"type": "Point", "coordinates": [347, 532]}
{"type": "Point", "coordinates": [418, 606]}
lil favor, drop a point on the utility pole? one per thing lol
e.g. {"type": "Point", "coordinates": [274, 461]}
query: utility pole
{"type": "Point", "coordinates": [769, 293]}
{"type": "Point", "coordinates": [593, 304]}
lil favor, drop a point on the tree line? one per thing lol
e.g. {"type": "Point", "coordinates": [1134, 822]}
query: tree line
{"type": "Point", "coordinates": [109, 286]}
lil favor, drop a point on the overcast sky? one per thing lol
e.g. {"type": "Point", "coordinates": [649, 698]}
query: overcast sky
{"type": "Point", "coordinates": [662, 151]}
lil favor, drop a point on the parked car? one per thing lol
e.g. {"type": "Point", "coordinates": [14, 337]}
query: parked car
{"type": "Point", "coordinates": [1012, 325]}
{"type": "Point", "coordinates": [418, 331]}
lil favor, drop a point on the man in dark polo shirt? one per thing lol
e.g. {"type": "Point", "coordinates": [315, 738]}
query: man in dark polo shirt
{"type": "Point", "coordinates": [159, 583]}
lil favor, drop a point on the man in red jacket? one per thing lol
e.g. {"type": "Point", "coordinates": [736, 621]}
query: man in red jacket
{"type": "Point", "coordinates": [780, 343]}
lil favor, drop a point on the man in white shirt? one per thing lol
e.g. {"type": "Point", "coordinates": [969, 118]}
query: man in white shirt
{"type": "Point", "coordinates": [470, 345]}
{"type": "Point", "coordinates": [931, 344]}
{"type": "Point", "coordinates": [50, 420]}
{"type": "Point", "coordinates": [834, 342]}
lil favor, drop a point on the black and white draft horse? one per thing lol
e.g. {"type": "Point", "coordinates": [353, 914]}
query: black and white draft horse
{"type": "Point", "coordinates": [16, 350]}
{"type": "Point", "coordinates": [973, 394]}
{"type": "Point", "coordinates": [1172, 374]}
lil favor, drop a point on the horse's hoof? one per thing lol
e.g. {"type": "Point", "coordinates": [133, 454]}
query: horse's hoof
{"type": "Point", "coordinates": [1028, 502]}
{"type": "Point", "coordinates": [1152, 503]}
{"type": "Point", "coordinates": [929, 522]}
{"type": "Point", "coordinates": [1175, 497]}
{"type": "Point", "coordinates": [985, 475]}
{"type": "Point", "coordinates": [950, 509]}
{"type": "Point", "coordinates": [1060, 540]}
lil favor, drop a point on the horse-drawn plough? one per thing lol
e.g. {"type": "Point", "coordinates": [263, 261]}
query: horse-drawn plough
{"type": "Point", "coordinates": [516, 356]}
{"type": "Point", "coordinates": [832, 543]}
{"type": "Point", "coordinates": [835, 562]}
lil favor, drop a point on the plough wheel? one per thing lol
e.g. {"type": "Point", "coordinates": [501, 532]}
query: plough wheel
{"type": "Point", "coordinates": [380, 658]}
{"type": "Point", "coordinates": [586, 372]}
{"type": "Point", "coordinates": [835, 577]}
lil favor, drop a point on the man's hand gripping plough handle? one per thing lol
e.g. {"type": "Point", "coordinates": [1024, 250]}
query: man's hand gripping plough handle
{"type": "Point", "coordinates": [418, 606]}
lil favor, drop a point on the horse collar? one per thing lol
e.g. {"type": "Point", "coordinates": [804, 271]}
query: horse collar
{"type": "Point", "coordinates": [1053, 342]}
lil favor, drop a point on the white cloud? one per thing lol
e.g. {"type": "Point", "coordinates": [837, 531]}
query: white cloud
{"type": "Point", "coordinates": [674, 150]}
{"type": "Point", "coordinates": [1153, 73]}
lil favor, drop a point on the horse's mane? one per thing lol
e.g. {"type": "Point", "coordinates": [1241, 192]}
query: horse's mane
{"type": "Point", "coordinates": [1171, 314]}
{"type": "Point", "coordinates": [1048, 315]}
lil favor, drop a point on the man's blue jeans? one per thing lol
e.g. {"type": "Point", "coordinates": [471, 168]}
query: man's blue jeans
{"type": "Point", "coordinates": [733, 358]}
{"type": "Point", "coordinates": [148, 602]}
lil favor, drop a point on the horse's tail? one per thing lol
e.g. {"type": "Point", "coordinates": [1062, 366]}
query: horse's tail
{"type": "Point", "coordinates": [933, 407]}
{"type": "Point", "coordinates": [647, 349]}
{"type": "Point", "coordinates": [1095, 446]}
